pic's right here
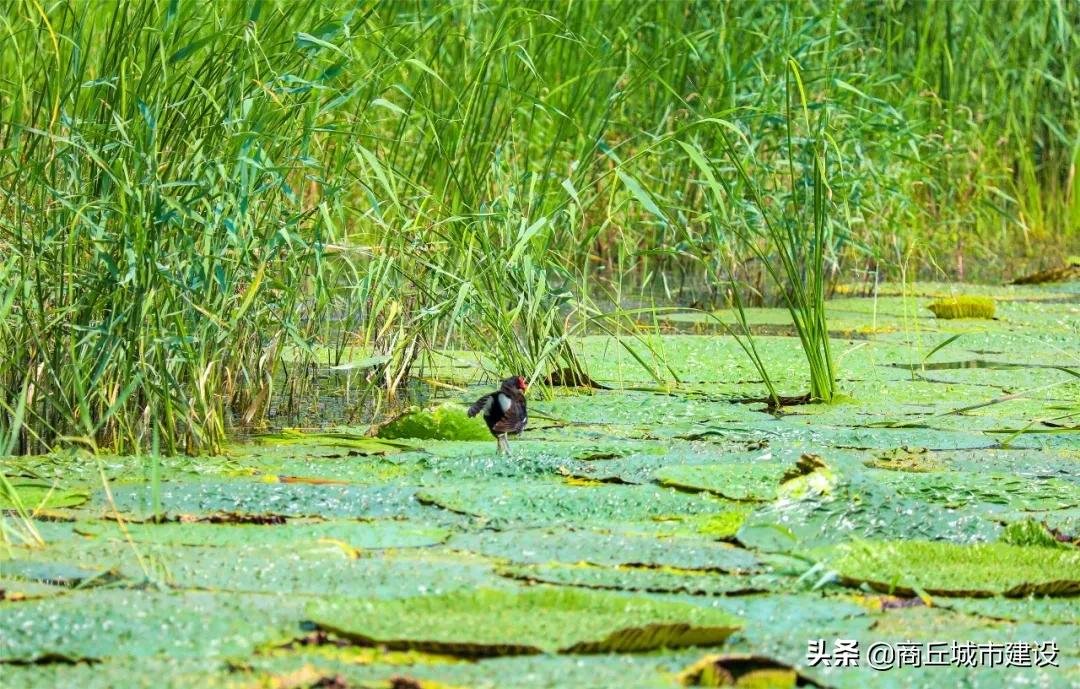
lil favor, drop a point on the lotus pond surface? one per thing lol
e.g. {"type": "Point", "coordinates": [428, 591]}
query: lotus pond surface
{"type": "Point", "coordinates": [642, 535]}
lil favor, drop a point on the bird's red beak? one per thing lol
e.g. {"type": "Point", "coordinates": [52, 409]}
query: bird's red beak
{"type": "Point", "coordinates": [523, 385]}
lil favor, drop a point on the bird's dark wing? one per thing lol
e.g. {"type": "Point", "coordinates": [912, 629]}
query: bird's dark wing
{"type": "Point", "coordinates": [482, 405]}
{"type": "Point", "coordinates": [513, 418]}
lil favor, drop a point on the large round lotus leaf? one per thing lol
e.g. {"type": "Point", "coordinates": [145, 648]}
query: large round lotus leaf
{"type": "Point", "coordinates": [450, 462]}
{"type": "Point", "coordinates": [325, 569]}
{"type": "Point", "coordinates": [959, 489]}
{"type": "Point", "coordinates": [749, 481]}
{"type": "Point", "coordinates": [78, 470]}
{"type": "Point", "coordinates": [941, 568]}
{"type": "Point", "coordinates": [860, 508]}
{"type": "Point", "coordinates": [251, 497]}
{"type": "Point", "coordinates": [544, 503]}
{"type": "Point", "coordinates": [774, 620]}
{"type": "Point", "coordinates": [641, 467]}
{"type": "Point", "coordinates": [548, 671]}
{"type": "Point", "coordinates": [495, 622]}
{"type": "Point", "coordinates": [22, 589]}
{"type": "Point", "coordinates": [623, 461]}
{"type": "Point", "coordinates": [35, 495]}
{"type": "Point", "coordinates": [271, 464]}
{"type": "Point", "coordinates": [1034, 463]}
{"type": "Point", "coordinates": [651, 579]}
{"type": "Point", "coordinates": [917, 460]}
{"type": "Point", "coordinates": [934, 624]}
{"type": "Point", "coordinates": [53, 531]}
{"type": "Point", "coordinates": [887, 438]}
{"type": "Point", "coordinates": [697, 359]}
{"type": "Point", "coordinates": [537, 546]}
{"type": "Point", "coordinates": [720, 526]}
{"type": "Point", "coordinates": [313, 568]}
{"type": "Point", "coordinates": [360, 443]}
{"type": "Point", "coordinates": [108, 623]}
{"type": "Point", "coordinates": [49, 573]}
{"type": "Point", "coordinates": [152, 672]}
{"type": "Point", "coordinates": [357, 534]}
{"type": "Point", "coordinates": [637, 408]}
{"type": "Point", "coordinates": [444, 422]}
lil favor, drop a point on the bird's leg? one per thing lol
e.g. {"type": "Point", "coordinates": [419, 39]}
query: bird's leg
{"type": "Point", "coordinates": [504, 447]}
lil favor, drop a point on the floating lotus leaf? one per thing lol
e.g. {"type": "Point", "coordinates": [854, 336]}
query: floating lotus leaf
{"type": "Point", "coordinates": [1035, 463]}
{"type": "Point", "coordinates": [720, 526]}
{"type": "Point", "coordinates": [859, 508]}
{"type": "Point", "coordinates": [749, 481]}
{"type": "Point", "coordinates": [772, 620]}
{"type": "Point", "coordinates": [536, 620]}
{"type": "Point", "coordinates": [34, 495]}
{"type": "Point", "coordinates": [982, 569]}
{"type": "Point", "coordinates": [609, 408]}
{"type": "Point", "coordinates": [932, 623]}
{"type": "Point", "coordinates": [325, 569]}
{"type": "Point", "coordinates": [537, 546]}
{"type": "Point", "coordinates": [296, 464]}
{"type": "Point", "coordinates": [544, 503]}
{"type": "Point", "coordinates": [443, 422]}
{"type": "Point", "coordinates": [108, 623]}
{"type": "Point", "coordinates": [885, 438]}
{"type": "Point", "coordinates": [643, 467]}
{"type": "Point", "coordinates": [261, 498]}
{"type": "Point", "coordinates": [1046, 610]}
{"type": "Point", "coordinates": [143, 672]}
{"type": "Point", "coordinates": [376, 668]}
{"type": "Point", "coordinates": [48, 573]}
{"type": "Point", "coordinates": [313, 568]}
{"type": "Point", "coordinates": [651, 579]}
{"type": "Point", "coordinates": [914, 460]}
{"type": "Point", "coordinates": [959, 489]}
{"type": "Point", "coordinates": [357, 534]}
{"type": "Point", "coordinates": [80, 471]}
{"type": "Point", "coordinates": [447, 461]}
{"type": "Point", "coordinates": [22, 589]}
{"type": "Point", "coordinates": [360, 443]}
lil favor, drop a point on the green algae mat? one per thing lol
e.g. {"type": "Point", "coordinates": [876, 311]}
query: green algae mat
{"type": "Point", "coordinates": [642, 535]}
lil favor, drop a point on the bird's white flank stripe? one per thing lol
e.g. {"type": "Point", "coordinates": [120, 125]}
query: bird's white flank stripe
{"type": "Point", "coordinates": [505, 402]}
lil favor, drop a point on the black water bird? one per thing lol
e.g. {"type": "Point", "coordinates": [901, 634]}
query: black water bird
{"type": "Point", "coordinates": [504, 410]}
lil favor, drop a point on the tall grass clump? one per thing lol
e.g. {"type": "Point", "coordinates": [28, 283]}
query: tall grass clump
{"type": "Point", "coordinates": [792, 228]}
{"type": "Point", "coordinates": [162, 207]}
